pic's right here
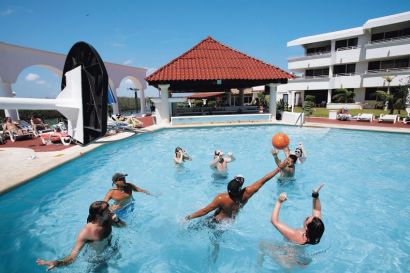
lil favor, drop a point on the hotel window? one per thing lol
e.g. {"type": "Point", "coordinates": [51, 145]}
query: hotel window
{"type": "Point", "coordinates": [388, 64]}
{"type": "Point", "coordinates": [370, 93]}
{"type": "Point", "coordinates": [344, 69]}
{"type": "Point", "coordinates": [346, 43]}
{"type": "Point", "coordinates": [317, 72]}
{"type": "Point", "coordinates": [391, 34]}
{"type": "Point", "coordinates": [318, 50]}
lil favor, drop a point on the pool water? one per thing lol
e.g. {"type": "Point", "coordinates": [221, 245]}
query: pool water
{"type": "Point", "coordinates": [365, 205]}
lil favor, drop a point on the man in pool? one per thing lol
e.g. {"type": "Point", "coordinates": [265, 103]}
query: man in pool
{"type": "Point", "coordinates": [97, 233]}
{"type": "Point", "coordinates": [122, 193]}
{"type": "Point", "coordinates": [227, 205]}
{"type": "Point", "coordinates": [290, 160]}
{"type": "Point", "coordinates": [181, 156]}
{"type": "Point", "coordinates": [220, 162]}
{"type": "Point", "coordinates": [313, 226]}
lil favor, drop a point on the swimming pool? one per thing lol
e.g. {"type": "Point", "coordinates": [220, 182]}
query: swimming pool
{"type": "Point", "coordinates": [364, 204]}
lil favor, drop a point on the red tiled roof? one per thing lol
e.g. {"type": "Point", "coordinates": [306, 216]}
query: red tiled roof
{"type": "Point", "coordinates": [211, 60]}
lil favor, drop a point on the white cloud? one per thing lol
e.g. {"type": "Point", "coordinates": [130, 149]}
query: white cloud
{"type": "Point", "coordinates": [32, 77]}
{"type": "Point", "coordinates": [40, 82]}
{"type": "Point", "coordinates": [127, 62]}
{"type": "Point", "coordinates": [118, 45]}
{"type": "Point", "coordinates": [6, 12]}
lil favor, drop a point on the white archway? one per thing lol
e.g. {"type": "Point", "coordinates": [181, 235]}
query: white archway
{"type": "Point", "coordinates": [14, 59]}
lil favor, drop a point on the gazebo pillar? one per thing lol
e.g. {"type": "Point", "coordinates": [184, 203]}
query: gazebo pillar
{"type": "Point", "coordinates": [272, 99]}
{"type": "Point", "coordinates": [115, 108]}
{"type": "Point", "coordinates": [241, 96]}
{"type": "Point", "coordinates": [6, 91]}
{"type": "Point", "coordinates": [229, 97]}
{"type": "Point", "coordinates": [163, 107]}
{"type": "Point", "coordinates": [142, 101]}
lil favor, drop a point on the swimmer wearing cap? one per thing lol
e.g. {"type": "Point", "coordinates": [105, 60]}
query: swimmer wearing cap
{"type": "Point", "coordinates": [226, 205]}
{"type": "Point", "coordinates": [220, 162]}
{"type": "Point", "coordinates": [122, 192]}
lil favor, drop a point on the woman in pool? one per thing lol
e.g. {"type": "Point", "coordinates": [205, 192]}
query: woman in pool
{"type": "Point", "coordinates": [97, 233]}
{"type": "Point", "coordinates": [122, 193]}
{"type": "Point", "coordinates": [313, 226]}
{"type": "Point", "coordinates": [181, 156]}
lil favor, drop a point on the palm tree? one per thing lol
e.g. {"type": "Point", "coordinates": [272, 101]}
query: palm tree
{"type": "Point", "coordinates": [388, 79]}
{"type": "Point", "coordinates": [343, 95]}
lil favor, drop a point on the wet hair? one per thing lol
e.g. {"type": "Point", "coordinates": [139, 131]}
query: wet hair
{"type": "Point", "coordinates": [96, 209]}
{"type": "Point", "coordinates": [294, 158]}
{"type": "Point", "coordinates": [177, 149]}
{"type": "Point", "coordinates": [6, 119]}
{"type": "Point", "coordinates": [315, 231]}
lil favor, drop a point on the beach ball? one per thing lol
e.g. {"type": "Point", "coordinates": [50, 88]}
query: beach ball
{"type": "Point", "coordinates": [280, 141]}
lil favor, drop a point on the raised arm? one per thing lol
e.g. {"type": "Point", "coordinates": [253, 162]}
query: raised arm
{"type": "Point", "coordinates": [252, 189]}
{"type": "Point", "coordinates": [210, 207]}
{"type": "Point", "coordinates": [288, 232]}
{"type": "Point", "coordinates": [275, 156]}
{"type": "Point", "coordinates": [178, 158]}
{"type": "Point", "coordinates": [107, 197]}
{"type": "Point", "coordinates": [81, 240]}
{"type": "Point", "coordinates": [317, 208]}
{"type": "Point", "coordinates": [230, 157]}
{"type": "Point", "coordinates": [138, 189]}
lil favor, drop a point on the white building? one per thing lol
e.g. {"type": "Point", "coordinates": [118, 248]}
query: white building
{"type": "Point", "coordinates": [372, 57]}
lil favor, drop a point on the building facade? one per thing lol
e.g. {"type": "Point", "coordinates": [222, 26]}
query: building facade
{"type": "Point", "coordinates": [375, 56]}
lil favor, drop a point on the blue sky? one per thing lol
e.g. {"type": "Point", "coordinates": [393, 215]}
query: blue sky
{"type": "Point", "coordinates": [151, 33]}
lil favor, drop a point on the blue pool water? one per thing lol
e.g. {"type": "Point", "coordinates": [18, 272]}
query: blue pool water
{"type": "Point", "coordinates": [365, 205]}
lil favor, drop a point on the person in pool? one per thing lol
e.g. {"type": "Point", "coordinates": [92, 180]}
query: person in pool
{"type": "Point", "coordinates": [220, 162]}
{"type": "Point", "coordinates": [313, 227]}
{"type": "Point", "coordinates": [181, 156]}
{"type": "Point", "coordinates": [97, 233]}
{"type": "Point", "coordinates": [226, 205]}
{"type": "Point", "coordinates": [122, 193]}
{"type": "Point", "coordinates": [291, 158]}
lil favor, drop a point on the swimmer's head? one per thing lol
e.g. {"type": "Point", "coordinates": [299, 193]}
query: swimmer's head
{"type": "Point", "coordinates": [178, 149]}
{"type": "Point", "coordinates": [119, 176]}
{"type": "Point", "coordinates": [314, 229]}
{"type": "Point", "coordinates": [293, 158]}
{"type": "Point", "coordinates": [298, 152]}
{"type": "Point", "coordinates": [98, 209]}
{"type": "Point", "coordinates": [221, 159]}
{"type": "Point", "coordinates": [217, 152]}
{"type": "Point", "coordinates": [235, 186]}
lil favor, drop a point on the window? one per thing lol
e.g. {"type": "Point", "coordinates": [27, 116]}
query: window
{"type": "Point", "coordinates": [377, 36]}
{"type": "Point", "coordinates": [317, 72]}
{"type": "Point", "coordinates": [374, 65]}
{"type": "Point", "coordinates": [391, 34]}
{"type": "Point", "coordinates": [346, 43]}
{"type": "Point", "coordinates": [344, 69]}
{"type": "Point", "coordinates": [285, 98]}
{"type": "Point", "coordinates": [318, 50]}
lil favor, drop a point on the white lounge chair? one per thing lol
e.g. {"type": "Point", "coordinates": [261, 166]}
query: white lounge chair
{"type": "Point", "coordinates": [365, 117]}
{"type": "Point", "coordinates": [406, 120]}
{"type": "Point", "coordinates": [392, 118]}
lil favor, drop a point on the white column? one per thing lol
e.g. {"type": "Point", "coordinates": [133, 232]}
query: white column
{"type": "Point", "coordinates": [115, 109]}
{"type": "Point", "coordinates": [142, 102]}
{"type": "Point", "coordinates": [329, 95]}
{"type": "Point", "coordinates": [229, 97]}
{"type": "Point", "coordinates": [163, 110]}
{"type": "Point", "coordinates": [272, 99]}
{"type": "Point", "coordinates": [6, 91]}
{"type": "Point", "coordinates": [241, 96]}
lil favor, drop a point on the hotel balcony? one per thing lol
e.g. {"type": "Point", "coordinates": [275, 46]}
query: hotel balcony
{"type": "Point", "coordinates": [310, 61]}
{"type": "Point", "coordinates": [309, 83]}
{"type": "Point", "coordinates": [388, 48]}
{"type": "Point", "coordinates": [349, 54]}
{"type": "Point", "coordinates": [345, 80]}
{"type": "Point", "coordinates": [376, 78]}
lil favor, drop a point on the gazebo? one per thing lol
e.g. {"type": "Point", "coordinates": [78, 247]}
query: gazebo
{"type": "Point", "coordinates": [213, 67]}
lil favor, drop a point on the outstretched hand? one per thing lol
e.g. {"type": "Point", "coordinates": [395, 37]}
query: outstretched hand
{"type": "Point", "coordinates": [282, 197]}
{"type": "Point", "coordinates": [318, 188]}
{"type": "Point", "coordinates": [50, 264]}
{"type": "Point", "coordinates": [274, 152]}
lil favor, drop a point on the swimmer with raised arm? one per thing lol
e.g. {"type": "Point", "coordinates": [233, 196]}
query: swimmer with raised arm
{"type": "Point", "coordinates": [181, 156]}
{"type": "Point", "coordinates": [220, 162]}
{"type": "Point", "coordinates": [313, 227]}
{"type": "Point", "coordinates": [97, 233]}
{"type": "Point", "coordinates": [122, 193]}
{"type": "Point", "coordinates": [226, 205]}
{"type": "Point", "coordinates": [291, 159]}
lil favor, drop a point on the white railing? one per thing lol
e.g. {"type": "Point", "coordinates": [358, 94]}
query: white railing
{"type": "Point", "coordinates": [310, 55]}
{"type": "Point", "coordinates": [347, 48]}
{"type": "Point", "coordinates": [388, 40]}
{"type": "Point", "coordinates": [345, 74]}
{"type": "Point", "coordinates": [387, 70]}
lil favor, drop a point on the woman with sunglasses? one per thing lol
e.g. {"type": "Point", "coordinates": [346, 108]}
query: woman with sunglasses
{"type": "Point", "coordinates": [97, 233]}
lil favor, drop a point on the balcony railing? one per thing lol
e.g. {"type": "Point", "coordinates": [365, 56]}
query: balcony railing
{"type": "Point", "coordinates": [347, 48]}
{"type": "Point", "coordinates": [316, 54]}
{"type": "Point", "coordinates": [345, 74]}
{"type": "Point", "coordinates": [387, 70]}
{"type": "Point", "coordinates": [389, 40]}
{"type": "Point", "coordinates": [303, 77]}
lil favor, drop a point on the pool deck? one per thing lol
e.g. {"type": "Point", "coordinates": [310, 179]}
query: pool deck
{"type": "Point", "coordinates": [23, 162]}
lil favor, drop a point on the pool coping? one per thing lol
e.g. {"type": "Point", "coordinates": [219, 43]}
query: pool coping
{"type": "Point", "coordinates": [31, 164]}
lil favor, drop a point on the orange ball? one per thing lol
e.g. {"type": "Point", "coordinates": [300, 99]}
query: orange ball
{"type": "Point", "coordinates": [280, 141]}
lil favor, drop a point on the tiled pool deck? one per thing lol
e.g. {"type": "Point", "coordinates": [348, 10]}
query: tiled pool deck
{"type": "Point", "coordinates": [25, 160]}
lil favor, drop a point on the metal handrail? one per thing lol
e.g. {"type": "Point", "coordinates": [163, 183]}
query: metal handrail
{"type": "Point", "coordinates": [345, 74]}
{"type": "Point", "coordinates": [386, 70]}
{"type": "Point", "coordinates": [389, 40]}
{"type": "Point", "coordinates": [347, 48]}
